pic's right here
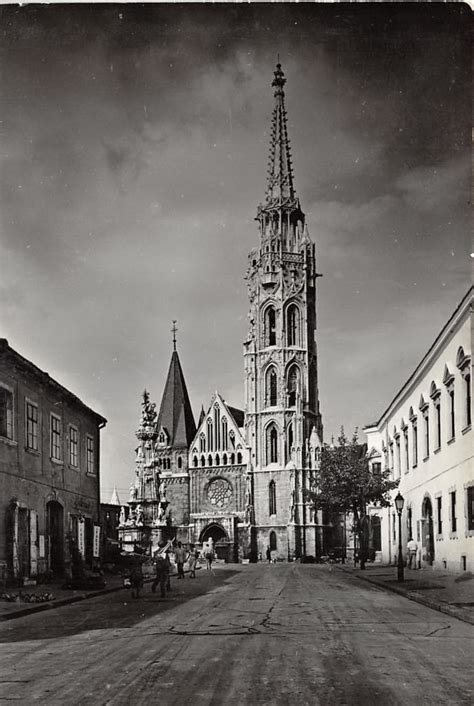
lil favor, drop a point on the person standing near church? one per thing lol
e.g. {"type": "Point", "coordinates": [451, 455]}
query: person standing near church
{"type": "Point", "coordinates": [181, 555]}
{"type": "Point", "coordinates": [412, 548]}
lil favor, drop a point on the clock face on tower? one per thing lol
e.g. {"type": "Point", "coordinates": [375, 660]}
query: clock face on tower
{"type": "Point", "coordinates": [219, 492]}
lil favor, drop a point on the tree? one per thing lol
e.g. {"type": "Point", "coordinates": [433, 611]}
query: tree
{"type": "Point", "coordinates": [346, 483]}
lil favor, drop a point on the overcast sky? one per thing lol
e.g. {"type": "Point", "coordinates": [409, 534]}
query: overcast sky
{"type": "Point", "coordinates": [134, 143]}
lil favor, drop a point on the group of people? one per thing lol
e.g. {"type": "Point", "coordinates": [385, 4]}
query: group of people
{"type": "Point", "coordinates": [163, 567]}
{"type": "Point", "coordinates": [271, 555]}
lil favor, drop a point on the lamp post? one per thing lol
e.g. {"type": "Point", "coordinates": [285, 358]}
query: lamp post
{"type": "Point", "coordinates": [399, 503]}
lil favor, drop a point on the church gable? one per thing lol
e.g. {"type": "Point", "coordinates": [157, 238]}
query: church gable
{"type": "Point", "coordinates": [218, 440]}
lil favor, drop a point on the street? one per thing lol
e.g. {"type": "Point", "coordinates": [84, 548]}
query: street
{"type": "Point", "coordinates": [257, 634]}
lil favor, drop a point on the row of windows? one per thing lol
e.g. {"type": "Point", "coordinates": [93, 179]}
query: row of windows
{"type": "Point", "coordinates": [293, 327]}
{"type": "Point", "coordinates": [230, 459]}
{"type": "Point", "coordinates": [32, 426]}
{"type": "Point", "coordinates": [217, 436]}
{"type": "Point", "coordinates": [432, 424]}
{"type": "Point", "coordinates": [439, 520]}
{"type": "Point", "coordinates": [271, 386]}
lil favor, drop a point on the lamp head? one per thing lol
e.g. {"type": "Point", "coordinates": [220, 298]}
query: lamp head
{"type": "Point", "coordinates": [399, 502]}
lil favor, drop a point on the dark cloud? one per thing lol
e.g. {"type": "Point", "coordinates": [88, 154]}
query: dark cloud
{"type": "Point", "coordinates": [134, 150]}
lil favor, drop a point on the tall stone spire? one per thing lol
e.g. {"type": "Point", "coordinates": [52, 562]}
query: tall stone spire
{"type": "Point", "coordinates": [280, 188]}
{"type": "Point", "coordinates": [280, 217]}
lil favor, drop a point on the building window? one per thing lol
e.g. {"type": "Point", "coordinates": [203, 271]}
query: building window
{"type": "Point", "coordinates": [73, 446]}
{"type": "Point", "coordinates": [273, 541]}
{"type": "Point", "coordinates": [6, 413]}
{"type": "Point", "coordinates": [272, 444]}
{"type": "Point", "coordinates": [435, 395]}
{"type": "Point", "coordinates": [272, 498]}
{"type": "Point", "coordinates": [225, 440]}
{"type": "Point", "coordinates": [452, 497]}
{"type": "Point", "coordinates": [217, 426]}
{"type": "Point", "coordinates": [270, 326]}
{"type": "Point", "coordinates": [232, 438]}
{"type": "Point", "coordinates": [414, 441]}
{"type": "Point", "coordinates": [209, 435]}
{"type": "Point", "coordinates": [239, 457]}
{"type": "Point", "coordinates": [209, 460]}
{"type": "Point", "coordinates": [390, 455]}
{"type": "Point", "coordinates": [377, 468]}
{"type": "Point", "coordinates": [467, 399]}
{"type": "Point", "coordinates": [90, 455]}
{"type": "Point", "coordinates": [398, 459]}
{"type": "Point", "coordinates": [180, 462]}
{"type": "Point", "coordinates": [195, 461]}
{"type": "Point", "coordinates": [203, 462]}
{"type": "Point", "coordinates": [470, 508]}
{"type": "Point", "coordinates": [439, 516]}
{"type": "Point", "coordinates": [289, 439]}
{"type": "Point", "coordinates": [31, 426]}
{"type": "Point", "coordinates": [271, 388]}
{"type": "Point", "coordinates": [55, 437]}
{"type": "Point", "coordinates": [232, 459]}
{"type": "Point", "coordinates": [426, 424]}
{"type": "Point", "coordinates": [293, 378]}
{"type": "Point", "coordinates": [452, 414]}
{"type": "Point", "coordinates": [406, 449]}
{"type": "Point", "coordinates": [292, 325]}
{"type": "Point", "coordinates": [202, 443]}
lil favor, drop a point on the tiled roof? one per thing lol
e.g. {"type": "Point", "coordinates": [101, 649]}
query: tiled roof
{"type": "Point", "coordinates": [176, 415]}
{"type": "Point", "coordinates": [238, 414]}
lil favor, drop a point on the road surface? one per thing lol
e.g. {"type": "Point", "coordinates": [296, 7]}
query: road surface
{"type": "Point", "coordinates": [259, 634]}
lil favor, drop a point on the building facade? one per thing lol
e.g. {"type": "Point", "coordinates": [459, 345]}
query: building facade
{"type": "Point", "coordinates": [241, 479]}
{"type": "Point", "coordinates": [49, 471]}
{"type": "Point", "coordinates": [425, 438]}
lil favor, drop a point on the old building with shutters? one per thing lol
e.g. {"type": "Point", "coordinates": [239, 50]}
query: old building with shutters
{"type": "Point", "coordinates": [49, 471]}
{"type": "Point", "coordinates": [241, 478]}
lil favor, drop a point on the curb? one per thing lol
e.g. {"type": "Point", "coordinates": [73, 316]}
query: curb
{"type": "Point", "coordinates": [417, 597]}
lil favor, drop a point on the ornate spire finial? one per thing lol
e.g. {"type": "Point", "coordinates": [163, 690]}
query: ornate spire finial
{"type": "Point", "coordinates": [173, 331]}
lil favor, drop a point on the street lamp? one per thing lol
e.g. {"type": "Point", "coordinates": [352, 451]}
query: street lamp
{"type": "Point", "coordinates": [399, 503]}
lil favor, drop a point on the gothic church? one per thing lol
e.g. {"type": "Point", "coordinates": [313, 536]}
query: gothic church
{"type": "Point", "coordinates": [240, 476]}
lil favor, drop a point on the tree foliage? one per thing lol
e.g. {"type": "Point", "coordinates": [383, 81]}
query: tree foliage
{"type": "Point", "coordinates": [346, 483]}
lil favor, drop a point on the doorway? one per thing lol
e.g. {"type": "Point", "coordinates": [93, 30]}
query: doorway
{"type": "Point", "coordinates": [220, 540]}
{"type": "Point", "coordinates": [427, 537]}
{"type": "Point", "coordinates": [55, 533]}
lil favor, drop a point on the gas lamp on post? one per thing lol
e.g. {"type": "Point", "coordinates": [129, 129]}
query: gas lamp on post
{"type": "Point", "coordinates": [399, 503]}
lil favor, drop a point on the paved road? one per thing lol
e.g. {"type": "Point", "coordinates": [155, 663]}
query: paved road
{"type": "Point", "coordinates": [283, 634]}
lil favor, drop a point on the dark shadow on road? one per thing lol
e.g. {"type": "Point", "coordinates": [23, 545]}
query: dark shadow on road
{"type": "Point", "coordinates": [112, 611]}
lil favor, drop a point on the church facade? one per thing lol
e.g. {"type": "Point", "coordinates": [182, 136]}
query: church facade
{"type": "Point", "coordinates": [240, 477]}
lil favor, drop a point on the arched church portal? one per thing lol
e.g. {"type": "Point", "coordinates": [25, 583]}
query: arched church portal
{"type": "Point", "coordinates": [220, 540]}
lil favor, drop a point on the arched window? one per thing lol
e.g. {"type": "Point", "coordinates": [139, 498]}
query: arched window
{"type": "Point", "coordinates": [180, 462]}
{"type": "Point", "coordinates": [195, 461]}
{"type": "Point", "coordinates": [272, 541]}
{"type": "Point", "coordinates": [239, 457]}
{"type": "Point", "coordinates": [232, 438]}
{"type": "Point", "coordinates": [293, 380]}
{"type": "Point", "coordinates": [202, 443]}
{"type": "Point", "coordinates": [209, 460]}
{"type": "Point", "coordinates": [218, 460]}
{"type": "Point", "coordinates": [289, 439]}
{"type": "Point", "coordinates": [217, 426]}
{"type": "Point", "coordinates": [224, 459]}
{"type": "Point", "coordinates": [225, 441]}
{"type": "Point", "coordinates": [272, 444]}
{"type": "Point", "coordinates": [272, 505]}
{"type": "Point", "coordinates": [232, 459]}
{"type": "Point", "coordinates": [271, 388]}
{"type": "Point", "coordinates": [203, 461]}
{"type": "Point", "coordinates": [292, 325]}
{"type": "Point", "coordinates": [270, 326]}
{"type": "Point", "coordinates": [209, 434]}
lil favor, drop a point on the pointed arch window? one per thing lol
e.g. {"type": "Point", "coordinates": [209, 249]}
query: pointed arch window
{"type": "Point", "coordinates": [289, 438]}
{"type": "Point", "coordinates": [224, 459]}
{"type": "Point", "coordinates": [202, 443]}
{"type": "Point", "coordinates": [239, 457]}
{"type": "Point", "coordinates": [271, 388]}
{"type": "Point", "coordinates": [293, 325]}
{"type": "Point", "coordinates": [217, 426]}
{"type": "Point", "coordinates": [273, 541]}
{"type": "Point", "coordinates": [225, 441]}
{"type": "Point", "coordinates": [203, 461]}
{"type": "Point", "coordinates": [272, 498]}
{"type": "Point", "coordinates": [209, 434]}
{"type": "Point", "coordinates": [272, 444]}
{"type": "Point", "coordinates": [232, 438]}
{"type": "Point", "coordinates": [232, 459]}
{"type": "Point", "coordinates": [209, 460]}
{"type": "Point", "coordinates": [270, 326]}
{"type": "Point", "coordinates": [293, 383]}
{"type": "Point", "coordinates": [195, 461]}
{"type": "Point", "coordinates": [218, 460]}
{"type": "Point", "coordinates": [180, 462]}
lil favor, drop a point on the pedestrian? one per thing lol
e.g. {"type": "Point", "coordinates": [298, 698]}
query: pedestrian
{"type": "Point", "coordinates": [192, 561]}
{"type": "Point", "coordinates": [273, 556]}
{"type": "Point", "coordinates": [136, 579]}
{"type": "Point", "coordinates": [181, 555]}
{"type": "Point", "coordinates": [162, 569]}
{"type": "Point", "coordinates": [412, 548]}
{"type": "Point", "coordinates": [268, 554]}
{"type": "Point", "coordinates": [209, 558]}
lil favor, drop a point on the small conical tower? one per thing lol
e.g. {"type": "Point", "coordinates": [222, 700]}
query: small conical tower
{"type": "Point", "coordinates": [281, 377]}
{"type": "Point", "coordinates": [176, 430]}
{"type": "Point", "coordinates": [114, 500]}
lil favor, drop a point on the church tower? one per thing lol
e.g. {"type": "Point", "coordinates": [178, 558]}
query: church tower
{"type": "Point", "coordinates": [283, 421]}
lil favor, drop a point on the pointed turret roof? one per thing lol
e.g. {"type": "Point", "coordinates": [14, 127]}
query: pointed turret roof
{"type": "Point", "coordinates": [176, 415]}
{"type": "Point", "coordinates": [115, 500]}
{"type": "Point", "coordinates": [280, 187]}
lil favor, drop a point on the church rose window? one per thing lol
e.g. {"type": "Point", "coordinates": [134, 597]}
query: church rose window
{"type": "Point", "coordinates": [219, 492]}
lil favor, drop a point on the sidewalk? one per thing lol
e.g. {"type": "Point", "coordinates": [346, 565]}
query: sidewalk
{"type": "Point", "coordinates": [449, 593]}
{"type": "Point", "coordinates": [10, 610]}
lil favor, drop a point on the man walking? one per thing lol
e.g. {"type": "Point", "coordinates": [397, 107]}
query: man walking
{"type": "Point", "coordinates": [181, 555]}
{"type": "Point", "coordinates": [412, 548]}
